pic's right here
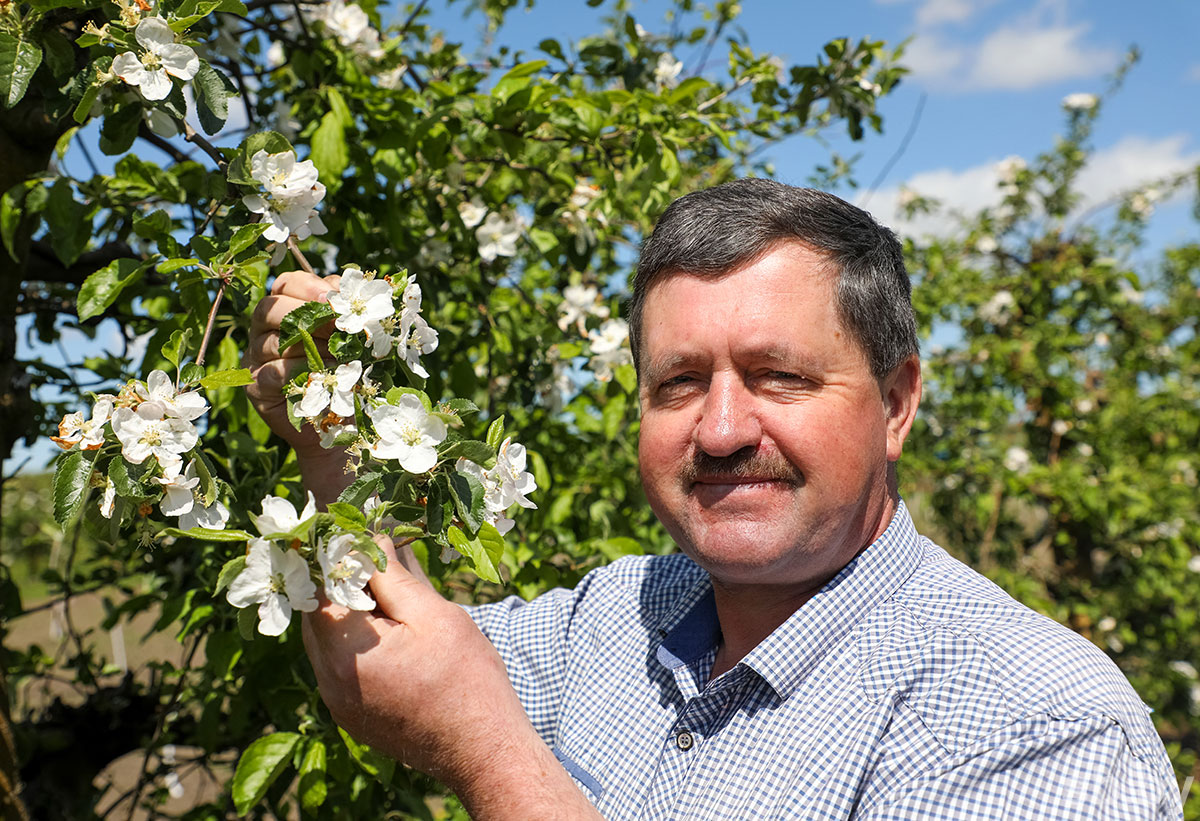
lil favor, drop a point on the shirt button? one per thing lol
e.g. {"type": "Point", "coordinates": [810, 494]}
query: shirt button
{"type": "Point", "coordinates": [685, 741]}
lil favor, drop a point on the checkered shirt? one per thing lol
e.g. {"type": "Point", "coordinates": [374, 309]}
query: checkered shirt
{"type": "Point", "coordinates": [909, 687]}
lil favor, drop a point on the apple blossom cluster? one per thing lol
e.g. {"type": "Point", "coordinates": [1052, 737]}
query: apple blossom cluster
{"type": "Point", "coordinates": [151, 423]}
{"type": "Point", "coordinates": [609, 342]}
{"type": "Point", "coordinates": [291, 195]}
{"type": "Point", "coordinates": [496, 233]}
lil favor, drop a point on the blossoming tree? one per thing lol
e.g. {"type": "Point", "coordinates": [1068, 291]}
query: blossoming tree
{"type": "Point", "coordinates": [469, 363]}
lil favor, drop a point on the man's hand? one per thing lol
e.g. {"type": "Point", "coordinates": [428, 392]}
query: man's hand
{"type": "Point", "coordinates": [272, 368]}
{"type": "Point", "coordinates": [418, 681]}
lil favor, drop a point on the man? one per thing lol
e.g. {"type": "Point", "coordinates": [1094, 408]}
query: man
{"type": "Point", "coordinates": [808, 655]}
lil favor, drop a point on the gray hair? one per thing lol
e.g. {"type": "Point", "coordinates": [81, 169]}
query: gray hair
{"type": "Point", "coordinates": [712, 232]}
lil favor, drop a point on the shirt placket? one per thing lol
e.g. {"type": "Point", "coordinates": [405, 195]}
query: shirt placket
{"type": "Point", "coordinates": [685, 741]}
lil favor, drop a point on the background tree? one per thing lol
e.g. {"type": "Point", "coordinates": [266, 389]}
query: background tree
{"type": "Point", "coordinates": [514, 187]}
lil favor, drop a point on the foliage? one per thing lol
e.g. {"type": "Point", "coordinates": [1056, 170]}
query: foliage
{"type": "Point", "coordinates": [1057, 441]}
{"type": "Point", "coordinates": [508, 188]}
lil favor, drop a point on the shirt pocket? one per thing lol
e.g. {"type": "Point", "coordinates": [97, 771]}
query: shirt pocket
{"type": "Point", "coordinates": [582, 777]}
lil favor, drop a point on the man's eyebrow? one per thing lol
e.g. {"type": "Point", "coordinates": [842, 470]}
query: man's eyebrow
{"type": "Point", "coordinates": [658, 368]}
{"type": "Point", "coordinates": [791, 358]}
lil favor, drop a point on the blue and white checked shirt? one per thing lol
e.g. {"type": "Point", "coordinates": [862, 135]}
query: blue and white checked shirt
{"type": "Point", "coordinates": [909, 687]}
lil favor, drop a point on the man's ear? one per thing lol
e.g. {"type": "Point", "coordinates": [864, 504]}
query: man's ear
{"type": "Point", "coordinates": [901, 394]}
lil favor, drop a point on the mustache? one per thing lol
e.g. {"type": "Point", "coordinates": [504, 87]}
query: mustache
{"type": "Point", "coordinates": [747, 463]}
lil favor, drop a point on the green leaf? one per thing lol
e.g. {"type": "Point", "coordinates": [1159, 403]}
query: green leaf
{"type": "Point", "coordinates": [329, 151]}
{"type": "Point", "coordinates": [467, 492]}
{"type": "Point", "coordinates": [308, 317]}
{"type": "Point", "coordinates": [460, 406]}
{"type": "Point", "coordinates": [244, 237]}
{"type": "Point", "coordinates": [19, 59]}
{"type": "Point", "coordinates": [212, 91]}
{"type": "Point", "coordinates": [338, 107]}
{"type": "Point", "coordinates": [394, 394]}
{"type": "Point", "coordinates": [470, 449]}
{"type": "Point", "coordinates": [376, 765]}
{"type": "Point", "coordinates": [613, 415]}
{"type": "Point", "coordinates": [176, 347]}
{"type": "Point", "coordinates": [517, 78]}
{"type": "Point", "coordinates": [347, 517]}
{"type": "Point", "coordinates": [230, 571]}
{"type": "Point", "coordinates": [232, 378]}
{"type": "Point", "coordinates": [361, 489]}
{"type": "Point", "coordinates": [247, 620]}
{"type": "Point", "coordinates": [103, 287]}
{"type": "Point", "coordinates": [120, 128]}
{"type": "Point", "coordinates": [59, 54]}
{"type": "Point", "coordinates": [10, 218]}
{"type": "Point", "coordinates": [68, 222]}
{"type": "Point", "coordinates": [481, 560]}
{"type": "Point", "coordinates": [70, 486]}
{"type": "Point", "coordinates": [364, 544]}
{"type": "Point", "coordinates": [192, 11]}
{"type": "Point", "coordinates": [173, 265]}
{"type": "Point", "coordinates": [262, 762]}
{"type": "Point", "coordinates": [84, 109]}
{"type": "Point", "coordinates": [205, 534]}
{"type": "Point", "coordinates": [312, 787]}
{"type": "Point", "coordinates": [495, 433]}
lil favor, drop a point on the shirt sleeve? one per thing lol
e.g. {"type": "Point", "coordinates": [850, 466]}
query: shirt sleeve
{"type": "Point", "coordinates": [1048, 768]}
{"type": "Point", "coordinates": [533, 639]}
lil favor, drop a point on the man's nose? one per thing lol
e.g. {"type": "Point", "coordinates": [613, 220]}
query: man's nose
{"type": "Point", "coordinates": [728, 420]}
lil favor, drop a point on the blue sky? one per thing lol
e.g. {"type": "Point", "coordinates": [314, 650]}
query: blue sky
{"type": "Point", "coordinates": [992, 74]}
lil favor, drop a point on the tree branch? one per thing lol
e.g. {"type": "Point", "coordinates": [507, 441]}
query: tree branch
{"type": "Point", "coordinates": [43, 264]}
{"type": "Point", "coordinates": [192, 136]}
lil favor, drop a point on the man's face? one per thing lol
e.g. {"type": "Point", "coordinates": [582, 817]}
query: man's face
{"type": "Point", "coordinates": [765, 439]}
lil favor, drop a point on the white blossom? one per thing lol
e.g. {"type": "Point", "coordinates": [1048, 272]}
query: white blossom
{"type": "Point", "coordinates": [580, 302]}
{"type": "Point", "coordinates": [998, 309]}
{"type": "Point", "coordinates": [279, 517]}
{"type": "Point", "coordinates": [277, 581]}
{"type": "Point", "coordinates": [360, 300]}
{"type": "Point", "coordinates": [407, 433]}
{"type": "Point", "coordinates": [472, 212]}
{"type": "Point", "coordinates": [493, 510]}
{"type": "Point", "coordinates": [108, 499]}
{"type": "Point", "coordinates": [1142, 203]}
{"type": "Point", "coordinates": [333, 426]}
{"type": "Point", "coordinates": [330, 389]}
{"type": "Point", "coordinates": [162, 57]}
{"type": "Point", "coordinates": [1194, 564]}
{"type": "Point", "coordinates": [1184, 668]}
{"type": "Point", "coordinates": [1106, 624]}
{"type": "Point", "coordinates": [1060, 427]}
{"type": "Point", "coordinates": [88, 434]}
{"type": "Point", "coordinates": [868, 86]}
{"type": "Point", "coordinates": [583, 194]}
{"type": "Point", "coordinates": [178, 491]}
{"type": "Point", "coordinates": [275, 54]}
{"type": "Point", "coordinates": [986, 244]}
{"type": "Point", "coordinates": [159, 391]}
{"type": "Point", "coordinates": [346, 572]}
{"type": "Point", "coordinates": [145, 432]}
{"type": "Point", "coordinates": [497, 237]}
{"type": "Point", "coordinates": [351, 26]}
{"type": "Point", "coordinates": [292, 193]}
{"type": "Point", "coordinates": [1079, 102]}
{"type": "Point", "coordinates": [421, 339]}
{"type": "Point", "coordinates": [1085, 450]}
{"type": "Point", "coordinates": [515, 481]}
{"type": "Point", "coordinates": [1017, 459]}
{"type": "Point", "coordinates": [666, 70]}
{"type": "Point", "coordinates": [213, 517]}
{"type": "Point", "coordinates": [610, 348]}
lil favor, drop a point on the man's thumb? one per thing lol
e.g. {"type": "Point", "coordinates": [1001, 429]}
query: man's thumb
{"type": "Point", "coordinates": [396, 590]}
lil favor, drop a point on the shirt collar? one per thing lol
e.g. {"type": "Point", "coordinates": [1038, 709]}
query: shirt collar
{"type": "Point", "coordinates": [790, 653]}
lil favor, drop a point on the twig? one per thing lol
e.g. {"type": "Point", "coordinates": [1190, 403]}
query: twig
{"type": "Point", "coordinates": [192, 136]}
{"type": "Point", "coordinates": [212, 318]}
{"type": "Point", "coordinates": [161, 144]}
{"type": "Point", "coordinates": [298, 255]}
{"type": "Point", "coordinates": [892, 160]}
{"type": "Point", "coordinates": [162, 722]}
{"type": "Point", "coordinates": [416, 11]}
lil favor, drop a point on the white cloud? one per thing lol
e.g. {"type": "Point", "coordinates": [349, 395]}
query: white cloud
{"type": "Point", "coordinates": [933, 12]}
{"type": "Point", "coordinates": [1010, 58]}
{"type": "Point", "coordinates": [1132, 161]}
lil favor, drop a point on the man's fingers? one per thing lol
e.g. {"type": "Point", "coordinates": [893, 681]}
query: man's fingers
{"type": "Point", "coordinates": [271, 310]}
{"type": "Point", "coordinates": [304, 286]}
{"type": "Point", "coordinates": [397, 591]}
